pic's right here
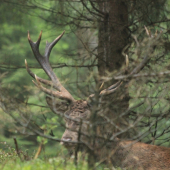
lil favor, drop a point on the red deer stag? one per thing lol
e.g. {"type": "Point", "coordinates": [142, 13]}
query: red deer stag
{"type": "Point", "coordinates": [125, 154]}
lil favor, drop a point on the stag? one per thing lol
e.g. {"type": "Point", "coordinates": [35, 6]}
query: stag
{"type": "Point", "coordinates": [77, 115]}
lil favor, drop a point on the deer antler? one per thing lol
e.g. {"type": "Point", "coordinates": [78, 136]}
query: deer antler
{"type": "Point", "coordinates": [43, 60]}
{"type": "Point", "coordinates": [113, 87]}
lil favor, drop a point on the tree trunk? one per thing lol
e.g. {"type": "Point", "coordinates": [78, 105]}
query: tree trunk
{"type": "Point", "coordinates": [112, 38]}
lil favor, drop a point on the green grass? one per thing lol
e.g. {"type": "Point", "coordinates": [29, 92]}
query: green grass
{"type": "Point", "coordinates": [38, 164]}
{"type": "Point", "coordinates": [11, 161]}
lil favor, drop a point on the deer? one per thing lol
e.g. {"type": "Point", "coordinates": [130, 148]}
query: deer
{"type": "Point", "coordinates": [77, 114]}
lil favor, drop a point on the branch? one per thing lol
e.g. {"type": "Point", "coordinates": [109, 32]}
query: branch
{"type": "Point", "coordinates": [160, 74]}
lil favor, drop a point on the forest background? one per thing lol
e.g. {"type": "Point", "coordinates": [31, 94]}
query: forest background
{"type": "Point", "coordinates": [85, 50]}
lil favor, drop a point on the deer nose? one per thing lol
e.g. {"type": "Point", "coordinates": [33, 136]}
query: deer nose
{"type": "Point", "coordinates": [65, 139]}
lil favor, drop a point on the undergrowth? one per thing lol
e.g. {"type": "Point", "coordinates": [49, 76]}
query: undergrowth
{"type": "Point", "coordinates": [10, 160]}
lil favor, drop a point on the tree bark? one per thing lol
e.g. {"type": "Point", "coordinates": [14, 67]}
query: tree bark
{"type": "Point", "coordinates": [112, 38]}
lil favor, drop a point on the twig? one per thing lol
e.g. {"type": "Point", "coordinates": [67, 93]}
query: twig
{"type": "Point", "coordinates": [39, 150]}
{"type": "Point", "coordinates": [17, 149]}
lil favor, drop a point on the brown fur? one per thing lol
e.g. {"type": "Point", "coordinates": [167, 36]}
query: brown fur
{"type": "Point", "coordinates": [140, 156]}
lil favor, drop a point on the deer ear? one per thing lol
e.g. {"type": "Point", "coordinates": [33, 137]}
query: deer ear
{"type": "Point", "coordinates": [57, 106]}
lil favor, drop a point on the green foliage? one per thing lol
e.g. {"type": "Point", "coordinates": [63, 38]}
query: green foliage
{"type": "Point", "coordinates": [42, 140]}
{"type": "Point", "coordinates": [51, 164]}
{"type": "Point", "coordinates": [7, 156]}
{"type": "Point", "coordinates": [10, 160]}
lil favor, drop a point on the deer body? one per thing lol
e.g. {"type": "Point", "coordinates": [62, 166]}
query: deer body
{"type": "Point", "coordinates": [78, 116]}
{"type": "Point", "coordinates": [141, 156]}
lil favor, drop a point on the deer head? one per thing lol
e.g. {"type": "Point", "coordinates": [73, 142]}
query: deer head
{"type": "Point", "coordinates": [76, 113]}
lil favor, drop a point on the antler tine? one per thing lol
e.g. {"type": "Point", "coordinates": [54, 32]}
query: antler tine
{"type": "Point", "coordinates": [111, 89]}
{"type": "Point", "coordinates": [108, 90]}
{"type": "Point", "coordinates": [28, 70]}
{"type": "Point", "coordinates": [49, 46]}
{"type": "Point", "coordinates": [127, 61]}
{"type": "Point", "coordinates": [49, 91]}
{"type": "Point", "coordinates": [147, 31]}
{"type": "Point", "coordinates": [36, 43]}
{"type": "Point", "coordinates": [49, 83]}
